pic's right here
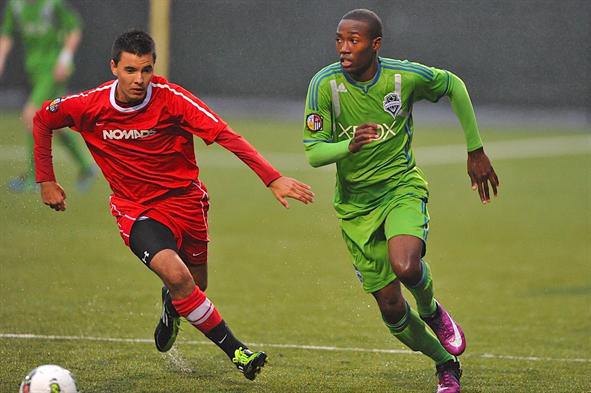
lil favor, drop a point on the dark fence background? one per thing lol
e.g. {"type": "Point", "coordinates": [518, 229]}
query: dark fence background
{"type": "Point", "coordinates": [510, 52]}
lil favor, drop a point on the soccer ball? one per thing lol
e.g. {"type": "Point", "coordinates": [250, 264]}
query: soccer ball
{"type": "Point", "coordinates": [49, 378]}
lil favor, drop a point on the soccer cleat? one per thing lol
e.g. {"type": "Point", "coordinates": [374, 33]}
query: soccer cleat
{"type": "Point", "coordinates": [85, 178]}
{"type": "Point", "coordinates": [448, 377]}
{"type": "Point", "coordinates": [448, 332]}
{"type": "Point", "coordinates": [23, 184]}
{"type": "Point", "coordinates": [168, 325]}
{"type": "Point", "coordinates": [248, 362]}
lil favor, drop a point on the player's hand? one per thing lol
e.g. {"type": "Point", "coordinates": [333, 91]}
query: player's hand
{"type": "Point", "coordinates": [53, 195]}
{"type": "Point", "coordinates": [286, 187]}
{"type": "Point", "coordinates": [61, 72]}
{"type": "Point", "coordinates": [364, 134]}
{"type": "Point", "coordinates": [481, 173]}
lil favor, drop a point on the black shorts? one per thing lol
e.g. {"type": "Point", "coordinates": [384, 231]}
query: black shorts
{"type": "Point", "coordinates": [148, 237]}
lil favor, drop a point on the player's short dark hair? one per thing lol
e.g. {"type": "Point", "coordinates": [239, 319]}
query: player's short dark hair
{"type": "Point", "coordinates": [371, 18]}
{"type": "Point", "coordinates": [133, 41]}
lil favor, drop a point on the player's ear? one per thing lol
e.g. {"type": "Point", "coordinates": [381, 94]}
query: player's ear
{"type": "Point", "coordinates": [376, 44]}
{"type": "Point", "coordinates": [113, 67]}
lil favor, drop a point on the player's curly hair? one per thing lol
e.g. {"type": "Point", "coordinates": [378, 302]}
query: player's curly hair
{"type": "Point", "coordinates": [133, 41]}
{"type": "Point", "coordinates": [371, 18]}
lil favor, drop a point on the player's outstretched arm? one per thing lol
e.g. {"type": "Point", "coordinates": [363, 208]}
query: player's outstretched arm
{"type": "Point", "coordinates": [53, 195]}
{"type": "Point", "coordinates": [481, 174]}
{"type": "Point", "coordinates": [282, 187]}
{"type": "Point", "coordinates": [287, 187]}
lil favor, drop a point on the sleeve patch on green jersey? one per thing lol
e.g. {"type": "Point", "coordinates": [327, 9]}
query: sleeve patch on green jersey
{"type": "Point", "coordinates": [314, 122]}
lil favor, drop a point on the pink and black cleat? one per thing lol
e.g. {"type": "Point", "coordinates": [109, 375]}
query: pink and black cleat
{"type": "Point", "coordinates": [448, 332]}
{"type": "Point", "coordinates": [448, 377]}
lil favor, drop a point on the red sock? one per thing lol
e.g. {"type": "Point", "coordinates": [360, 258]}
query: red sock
{"type": "Point", "coordinates": [198, 310]}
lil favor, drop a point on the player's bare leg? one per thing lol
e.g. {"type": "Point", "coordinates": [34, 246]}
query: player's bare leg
{"type": "Point", "coordinates": [191, 302]}
{"type": "Point", "coordinates": [405, 324]}
{"type": "Point", "coordinates": [405, 256]}
{"type": "Point", "coordinates": [163, 264]}
{"type": "Point", "coordinates": [171, 269]}
{"type": "Point", "coordinates": [199, 273]}
{"type": "Point", "coordinates": [169, 323]}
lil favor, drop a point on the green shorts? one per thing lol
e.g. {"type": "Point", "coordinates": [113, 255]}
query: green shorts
{"type": "Point", "coordinates": [367, 237]}
{"type": "Point", "coordinates": [45, 88]}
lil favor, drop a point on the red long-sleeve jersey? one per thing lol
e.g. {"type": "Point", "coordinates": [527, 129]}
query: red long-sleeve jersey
{"type": "Point", "coordinates": [146, 150]}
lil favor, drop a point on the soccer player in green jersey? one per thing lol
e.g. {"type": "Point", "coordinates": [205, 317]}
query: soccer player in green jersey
{"type": "Point", "coordinates": [359, 116]}
{"type": "Point", "coordinates": [50, 32]}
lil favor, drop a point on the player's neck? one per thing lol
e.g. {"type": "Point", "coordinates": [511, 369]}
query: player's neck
{"type": "Point", "coordinates": [368, 74]}
{"type": "Point", "coordinates": [125, 101]}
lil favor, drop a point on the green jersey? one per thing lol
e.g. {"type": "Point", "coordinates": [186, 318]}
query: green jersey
{"type": "Point", "coordinates": [336, 105]}
{"type": "Point", "coordinates": [43, 26]}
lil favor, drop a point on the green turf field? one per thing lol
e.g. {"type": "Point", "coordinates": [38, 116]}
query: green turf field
{"type": "Point", "coordinates": [516, 274]}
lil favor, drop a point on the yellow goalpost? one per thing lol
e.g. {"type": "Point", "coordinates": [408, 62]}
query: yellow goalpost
{"type": "Point", "coordinates": [160, 31]}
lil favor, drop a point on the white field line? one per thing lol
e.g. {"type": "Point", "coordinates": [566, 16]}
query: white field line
{"type": "Point", "coordinates": [289, 346]}
{"type": "Point", "coordinates": [428, 155]}
{"type": "Point", "coordinates": [434, 155]}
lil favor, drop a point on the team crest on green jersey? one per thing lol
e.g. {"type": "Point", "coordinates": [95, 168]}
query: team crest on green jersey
{"type": "Point", "coordinates": [392, 103]}
{"type": "Point", "coordinates": [314, 122]}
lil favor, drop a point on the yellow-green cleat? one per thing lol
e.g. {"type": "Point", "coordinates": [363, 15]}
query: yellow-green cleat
{"type": "Point", "coordinates": [248, 362]}
{"type": "Point", "coordinates": [168, 325]}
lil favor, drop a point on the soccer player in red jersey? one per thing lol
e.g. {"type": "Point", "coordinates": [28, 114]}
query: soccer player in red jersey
{"type": "Point", "coordinates": [139, 129]}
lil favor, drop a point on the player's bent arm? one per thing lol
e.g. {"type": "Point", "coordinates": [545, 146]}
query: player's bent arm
{"type": "Point", "coordinates": [52, 194]}
{"type": "Point", "coordinates": [51, 116]}
{"type": "Point", "coordinates": [462, 107]}
{"type": "Point", "coordinates": [324, 153]}
{"type": "Point", "coordinates": [480, 169]}
{"type": "Point", "coordinates": [42, 135]}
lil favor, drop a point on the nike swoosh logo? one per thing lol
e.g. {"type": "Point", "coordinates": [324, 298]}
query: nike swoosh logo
{"type": "Point", "coordinates": [197, 254]}
{"type": "Point", "coordinates": [457, 341]}
{"type": "Point", "coordinates": [223, 339]}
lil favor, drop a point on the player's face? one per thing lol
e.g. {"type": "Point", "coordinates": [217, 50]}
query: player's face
{"type": "Point", "coordinates": [356, 49]}
{"type": "Point", "coordinates": [133, 74]}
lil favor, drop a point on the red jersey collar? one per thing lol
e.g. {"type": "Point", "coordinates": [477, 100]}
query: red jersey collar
{"type": "Point", "coordinates": [131, 108]}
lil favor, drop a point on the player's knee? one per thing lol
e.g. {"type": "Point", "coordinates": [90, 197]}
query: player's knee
{"type": "Point", "coordinates": [178, 280]}
{"type": "Point", "coordinates": [407, 268]}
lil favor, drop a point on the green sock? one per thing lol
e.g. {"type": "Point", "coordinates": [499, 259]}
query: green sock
{"type": "Point", "coordinates": [69, 141]}
{"type": "Point", "coordinates": [423, 292]}
{"type": "Point", "coordinates": [414, 333]}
